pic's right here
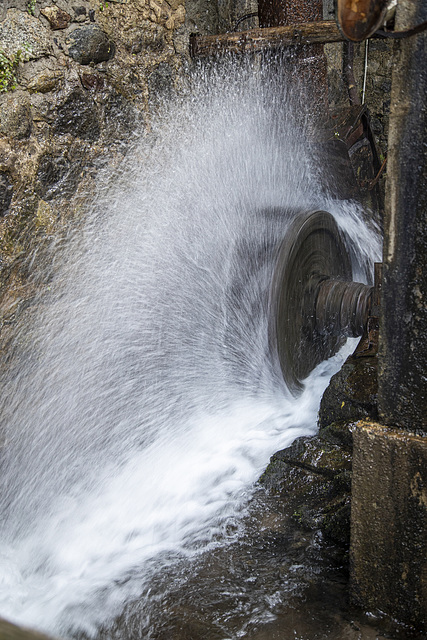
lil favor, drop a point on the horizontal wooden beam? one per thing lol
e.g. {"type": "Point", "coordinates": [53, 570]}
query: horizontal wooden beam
{"type": "Point", "coordinates": [320, 32]}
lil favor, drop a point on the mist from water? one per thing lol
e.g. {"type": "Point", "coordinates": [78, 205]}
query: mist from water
{"type": "Point", "coordinates": [141, 404]}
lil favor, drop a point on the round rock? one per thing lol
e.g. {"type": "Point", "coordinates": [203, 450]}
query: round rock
{"type": "Point", "coordinates": [16, 119]}
{"type": "Point", "coordinates": [90, 44]}
{"type": "Point", "coordinates": [58, 19]}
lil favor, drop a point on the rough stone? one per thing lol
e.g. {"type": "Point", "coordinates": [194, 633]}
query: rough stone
{"type": "Point", "coordinates": [121, 119]}
{"type": "Point", "coordinates": [15, 115]}
{"type": "Point", "coordinates": [57, 176]}
{"type": "Point", "coordinates": [45, 82]}
{"type": "Point", "coordinates": [9, 631]}
{"type": "Point", "coordinates": [21, 32]}
{"type": "Point", "coordinates": [202, 16]}
{"type": "Point", "coordinates": [45, 218]}
{"type": "Point", "coordinates": [58, 19]}
{"type": "Point", "coordinates": [8, 155]}
{"type": "Point", "coordinates": [92, 81]}
{"type": "Point", "coordinates": [160, 82]}
{"type": "Point", "coordinates": [316, 455]}
{"type": "Point", "coordinates": [174, 4]}
{"type": "Point", "coordinates": [176, 19]}
{"type": "Point", "coordinates": [77, 114]}
{"type": "Point", "coordinates": [314, 473]}
{"type": "Point", "coordinates": [43, 107]}
{"type": "Point", "coordinates": [6, 193]}
{"type": "Point", "coordinates": [146, 37]}
{"type": "Point", "coordinates": [90, 44]}
{"type": "Point", "coordinates": [389, 523]}
{"type": "Point", "coordinates": [80, 12]}
{"type": "Point", "coordinates": [42, 76]}
{"type": "Point", "coordinates": [352, 392]}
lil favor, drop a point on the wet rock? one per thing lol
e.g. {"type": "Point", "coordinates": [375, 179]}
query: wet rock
{"type": "Point", "coordinates": [77, 115]}
{"type": "Point", "coordinates": [352, 392]}
{"type": "Point", "coordinates": [121, 118]}
{"type": "Point", "coordinates": [58, 19]}
{"type": "Point", "coordinates": [45, 217]}
{"type": "Point", "coordinates": [202, 15]}
{"type": "Point", "coordinates": [318, 469]}
{"type": "Point", "coordinates": [21, 32]}
{"type": "Point", "coordinates": [389, 523]}
{"type": "Point", "coordinates": [317, 455]}
{"type": "Point", "coordinates": [92, 81]}
{"type": "Point", "coordinates": [16, 119]}
{"type": "Point", "coordinates": [160, 82]}
{"type": "Point", "coordinates": [6, 192]}
{"type": "Point", "coordinates": [9, 631]}
{"type": "Point", "coordinates": [45, 82]}
{"type": "Point", "coordinates": [147, 37]}
{"type": "Point", "coordinates": [43, 108]}
{"type": "Point", "coordinates": [303, 492]}
{"type": "Point", "coordinates": [90, 44]}
{"type": "Point", "coordinates": [57, 176]}
{"type": "Point", "coordinates": [339, 433]}
{"type": "Point", "coordinates": [8, 156]}
{"type": "Point", "coordinates": [336, 519]}
{"type": "Point", "coordinates": [314, 474]}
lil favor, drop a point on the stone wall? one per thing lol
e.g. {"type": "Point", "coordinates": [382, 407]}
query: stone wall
{"type": "Point", "coordinates": [80, 78]}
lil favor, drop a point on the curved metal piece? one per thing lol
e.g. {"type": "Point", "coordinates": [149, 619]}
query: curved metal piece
{"type": "Point", "coordinates": [359, 20]}
{"type": "Point", "coordinates": [313, 303]}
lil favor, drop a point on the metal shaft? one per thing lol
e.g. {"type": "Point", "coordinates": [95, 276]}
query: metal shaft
{"type": "Point", "coordinates": [342, 308]}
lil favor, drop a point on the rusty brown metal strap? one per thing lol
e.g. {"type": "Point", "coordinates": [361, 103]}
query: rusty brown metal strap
{"type": "Point", "coordinates": [268, 38]}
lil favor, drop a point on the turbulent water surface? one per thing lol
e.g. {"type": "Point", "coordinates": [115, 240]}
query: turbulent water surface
{"type": "Point", "coordinates": [140, 406]}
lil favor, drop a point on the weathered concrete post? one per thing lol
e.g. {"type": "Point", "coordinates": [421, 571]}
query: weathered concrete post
{"type": "Point", "coordinates": [403, 354]}
{"type": "Point", "coordinates": [389, 491]}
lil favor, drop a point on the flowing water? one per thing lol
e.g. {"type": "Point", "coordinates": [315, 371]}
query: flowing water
{"type": "Point", "coordinates": [140, 405]}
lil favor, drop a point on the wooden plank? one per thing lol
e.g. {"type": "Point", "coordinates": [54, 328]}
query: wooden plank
{"type": "Point", "coordinates": [320, 32]}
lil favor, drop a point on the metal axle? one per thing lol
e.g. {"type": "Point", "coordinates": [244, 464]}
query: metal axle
{"type": "Point", "coordinates": [342, 308]}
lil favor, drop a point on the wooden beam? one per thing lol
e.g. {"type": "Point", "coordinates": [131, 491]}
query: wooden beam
{"type": "Point", "coordinates": [268, 38]}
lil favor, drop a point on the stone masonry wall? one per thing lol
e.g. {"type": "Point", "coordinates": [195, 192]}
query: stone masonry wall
{"type": "Point", "coordinates": [82, 75]}
{"type": "Point", "coordinates": [78, 79]}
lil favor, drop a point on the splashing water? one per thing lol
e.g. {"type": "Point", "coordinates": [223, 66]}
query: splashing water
{"type": "Point", "coordinates": [141, 405]}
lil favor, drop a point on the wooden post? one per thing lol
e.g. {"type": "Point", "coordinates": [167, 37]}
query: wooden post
{"type": "Point", "coordinates": [271, 38]}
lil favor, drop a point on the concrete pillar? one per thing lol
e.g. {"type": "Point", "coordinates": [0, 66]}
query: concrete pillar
{"type": "Point", "coordinates": [402, 396]}
{"type": "Point", "coordinates": [388, 548]}
{"type": "Point", "coordinates": [388, 552]}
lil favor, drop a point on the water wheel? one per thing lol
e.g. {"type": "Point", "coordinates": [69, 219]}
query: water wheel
{"type": "Point", "coordinates": [314, 305]}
